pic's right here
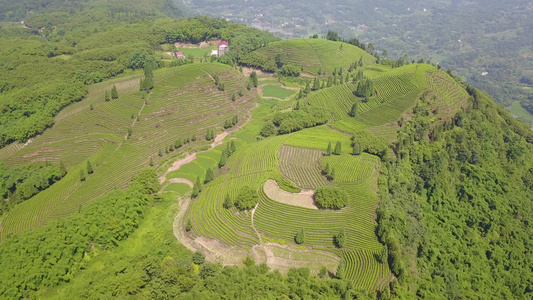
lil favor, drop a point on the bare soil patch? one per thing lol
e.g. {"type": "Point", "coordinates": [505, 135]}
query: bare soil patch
{"type": "Point", "coordinates": [247, 71]}
{"type": "Point", "coordinates": [176, 165]}
{"type": "Point", "coordinates": [181, 180]}
{"type": "Point", "coordinates": [302, 199]}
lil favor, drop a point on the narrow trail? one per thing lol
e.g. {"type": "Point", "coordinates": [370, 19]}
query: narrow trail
{"type": "Point", "coordinates": [318, 57]}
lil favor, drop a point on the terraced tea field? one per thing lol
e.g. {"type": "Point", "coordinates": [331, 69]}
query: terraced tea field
{"type": "Point", "coordinates": [316, 54]}
{"type": "Point", "coordinates": [184, 103]}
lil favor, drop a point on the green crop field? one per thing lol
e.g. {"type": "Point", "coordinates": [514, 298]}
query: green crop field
{"type": "Point", "coordinates": [275, 91]}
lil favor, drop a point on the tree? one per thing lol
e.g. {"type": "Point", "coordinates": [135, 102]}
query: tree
{"type": "Point", "coordinates": [340, 239]}
{"type": "Point", "coordinates": [198, 183]}
{"type": "Point", "coordinates": [331, 175]}
{"type": "Point", "coordinates": [328, 151]}
{"type": "Point", "coordinates": [337, 150]}
{"type": "Point", "coordinates": [107, 96]}
{"type": "Point", "coordinates": [249, 86]}
{"type": "Point", "coordinates": [223, 159]}
{"type": "Point", "coordinates": [210, 135]}
{"type": "Point", "coordinates": [300, 237]}
{"type": "Point", "coordinates": [267, 130]}
{"type": "Point", "coordinates": [331, 197]}
{"type": "Point", "coordinates": [326, 169]}
{"type": "Point", "coordinates": [89, 167]}
{"type": "Point", "coordinates": [195, 191]}
{"type": "Point", "coordinates": [253, 78]}
{"type": "Point", "coordinates": [307, 89]}
{"type": "Point", "coordinates": [151, 162]}
{"type": "Point", "coordinates": [246, 199]}
{"type": "Point", "coordinates": [341, 269]}
{"type": "Point", "coordinates": [233, 97]}
{"type": "Point", "coordinates": [114, 92]}
{"type": "Point", "coordinates": [82, 175]}
{"type": "Point", "coordinates": [91, 107]}
{"type": "Point", "coordinates": [227, 124]}
{"type": "Point", "coordinates": [383, 255]}
{"type": "Point", "coordinates": [356, 149]}
{"type": "Point", "coordinates": [316, 84]}
{"type": "Point", "coordinates": [148, 82]}
{"type": "Point", "coordinates": [178, 144]}
{"type": "Point", "coordinates": [297, 107]}
{"type": "Point", "coordinates": [235, 119]}
{"type": "Point", "coordinates": [228, 202]}
{"type": "Point", "coordinates": [300, 94]}
{"type": "Point", "coordinates": [198, 258]}
{"type": "Point", "coordinates": [241, 93]}
{"type": "Point", "coordinates": [353, 111]}
{"type": "Point", "coordinates": [62, 169]}
{"type": "Point", "coordinates": [209, 175]}
{"type": "Point", "coordinates": [160, 153]}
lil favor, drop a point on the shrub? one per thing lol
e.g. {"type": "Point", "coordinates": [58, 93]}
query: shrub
{"type": "Point", "coordinates": [246, 199]}
{"type": "Point", "coordinates": [331, 197]}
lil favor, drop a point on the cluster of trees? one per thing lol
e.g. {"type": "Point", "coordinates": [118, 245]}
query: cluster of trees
{"type": "Point", "coordinates": [21, 183]}
{"type": "Point", "coordinates": [336, 151]}
{"type": "Point", "coordinates": [456, 208]}
{"type": "Point", "coordinates": [365, 141]}
{"type": "Point", "coordinates": [331, 197]}
{"type": "Point", "coordinates": [365, 89]}
{"type": "Point", "coordinates": [62, 248]}
{"type": "Point", "coordinates": [226, 153]}
{"type": "Point", "coordinates": [287, 122]}
{"type": "Point", "coordinates": [246, 199]}
{"type": "Point", "coordinates": [232, 122]}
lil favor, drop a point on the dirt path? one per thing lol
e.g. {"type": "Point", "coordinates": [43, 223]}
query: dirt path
{"type": "Point", "coordinates": [218, 140]}
{"type": "Point", "coordinates": [301, 199]}
{"type": "Point", "coordinates": [176, 165]}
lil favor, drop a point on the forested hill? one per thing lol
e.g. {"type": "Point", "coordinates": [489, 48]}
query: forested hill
{"type": "Point", "coordinates": [456, 208]}
{"type": "Point", "coordinates": [29, 10]}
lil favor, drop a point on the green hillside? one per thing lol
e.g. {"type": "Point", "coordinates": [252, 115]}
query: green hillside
{"type": "Point", "coordinates": [386, 180]}
{"type": "Point", "coordinates": [312, 55]}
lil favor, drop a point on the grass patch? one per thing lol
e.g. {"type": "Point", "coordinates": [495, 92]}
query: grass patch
{"type": "Point", "coordinates": [517, 110]}
{"type": "Point", "coordinates": [277, 92]}
{"type": "Point", "coordinates": [180, 188]}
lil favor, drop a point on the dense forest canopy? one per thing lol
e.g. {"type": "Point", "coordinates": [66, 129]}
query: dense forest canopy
{"type": "Point", "coordinates": [469, 37]}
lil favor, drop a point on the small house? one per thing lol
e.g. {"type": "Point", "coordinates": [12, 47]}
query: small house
{"type": "Point", "coordinates": [180, 55]}
{"type": "Point", "coordinates": [223, 47]}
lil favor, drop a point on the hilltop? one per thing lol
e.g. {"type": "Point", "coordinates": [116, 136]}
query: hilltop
{"type": "Point", "coordinates": [197, 177]}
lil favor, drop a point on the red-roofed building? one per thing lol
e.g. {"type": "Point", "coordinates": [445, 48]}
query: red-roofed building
{"type": "Point", "coordinates": [223, 47]}
{"type": "Point", "coordinates": [180, 55]}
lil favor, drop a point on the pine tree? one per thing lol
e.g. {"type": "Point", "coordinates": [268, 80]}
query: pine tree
{"type": "Point", "coordinates": [356, 149]}
{"type": "Point", "coordinates": [331, 175]}
{"type": "Point", "coordinates": [107, 96]}
{"type": "Point", "coordinates": [328, 151]}
{"type": "Point", "coordinates": [341, 80]}
{"type": "Point", "coordinates": [341, 269]}
{"type": "Point", "coordinates": [90, 169]}
{"type": "Point", "coordinates": [160, 153]}
{"type": "Point", "coordinates": [300, 237]}
{"type": "Point", "coordinates": [316, 84]}
{"type": "Point", "coordinates": [249, 86]}
{"type": "Point", "coordinates": [307, 89]}
{"type": "Point", "coordinates": [334, 72]}
{"type": "Point", "coordinates": [340, 70]}
{"type": "Point", "coordinates": [297, 107]}
{"type": "Point", "coordinates": [91, 107]}
{"type": "Point", "coordinates": [227, 124]}
{"type": "Point", "coordinates": [253, 78]}
{"type": "Point", "coordinates": [360, 63]}
{"type": "Point", "coordinates": [353, 111]}
{"type": "Point", "coordinates": [114, 92]}
{"type": "Point", "coordinates": [223, 159]}
{"type": "Point", "coordinates": [232, 146]}
{"type": "Point", "coordinates": [337, 150]}
{"type": "Point", "coordinates": [62, 169]}
{"type": "Point", "coordinates": [82, 175]}
{"type": "Point", "coordinates": [148, 81]}
{"type": "Point", "coordinates": [241, 93]}
{"type": "Point", "coordinates": [326, 169]}
{"type": "Point", "coordinates": [300, 94]}
{"type": "Point", "coordinates": [178, 143]}
{"type": "Point", "coordinates": [151, 162]}
{"type": "Point", "coordinates": [195, 191]}
{"type": "Point", "coordinates": [233, 97]}
{"type": "Point", "coordinates": [235, 119]}
{"type": "Point", "coordinates": [209, 175]}
{"type": "Point", "coordinates": [198, 183]}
